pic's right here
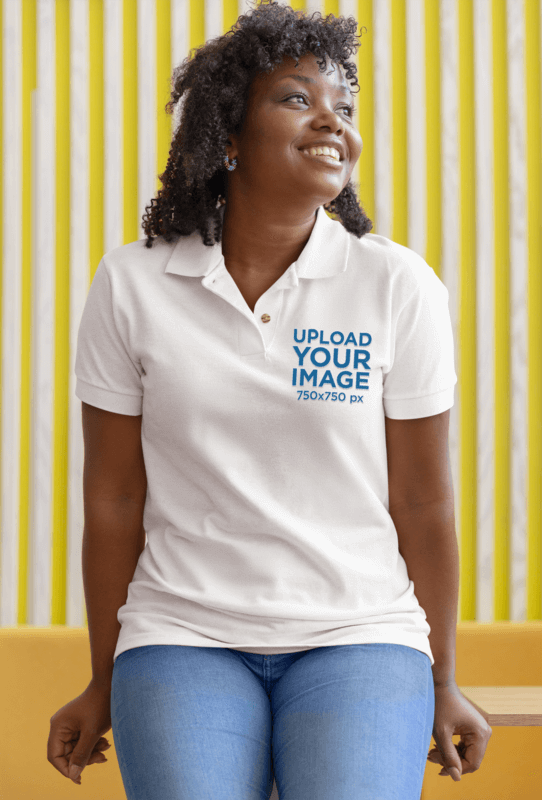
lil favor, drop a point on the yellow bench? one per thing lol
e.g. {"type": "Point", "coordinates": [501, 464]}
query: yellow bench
{"type": "Point", "coordinates": [41, 669]}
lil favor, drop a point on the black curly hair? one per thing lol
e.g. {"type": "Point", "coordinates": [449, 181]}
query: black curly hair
{"type": "Point", "coordinates": [217, 79]}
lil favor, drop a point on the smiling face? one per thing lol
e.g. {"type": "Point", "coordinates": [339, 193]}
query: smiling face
{"type": "Point", "coordinates": [289, 110]}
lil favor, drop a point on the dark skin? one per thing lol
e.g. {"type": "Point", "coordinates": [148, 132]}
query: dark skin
{"type": "Point", "coordinates": [275, 190]}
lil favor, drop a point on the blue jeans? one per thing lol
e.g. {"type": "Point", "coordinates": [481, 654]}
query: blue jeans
{"type": "Point", "coordinates": [349, 722]}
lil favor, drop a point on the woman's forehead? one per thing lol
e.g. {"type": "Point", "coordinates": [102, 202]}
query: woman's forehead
{"type": "Point", "coordinates": [307, 72]}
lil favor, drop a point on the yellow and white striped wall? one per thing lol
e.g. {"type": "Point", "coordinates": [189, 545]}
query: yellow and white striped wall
{"type": "Point", "coordinates": [450, 116]}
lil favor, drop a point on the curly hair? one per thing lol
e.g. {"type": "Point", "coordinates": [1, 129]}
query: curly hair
{"type": "Point", "coordinates": [217, 79]}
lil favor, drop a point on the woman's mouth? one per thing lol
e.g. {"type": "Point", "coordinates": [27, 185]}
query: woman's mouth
{"type": "Point", "coordinates": [323, 159]}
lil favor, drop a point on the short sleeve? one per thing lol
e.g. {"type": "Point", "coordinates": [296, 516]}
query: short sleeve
{"type": "Point", "coordinates": [420, 381]}
{"type": "Point", "coordinates": [106, 374]}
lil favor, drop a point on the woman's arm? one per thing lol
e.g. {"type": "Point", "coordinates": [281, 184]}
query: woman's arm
{"type": "Point", "coordinates": [114, 491]}
{"type": "Point", "coordinates": [421, 504]}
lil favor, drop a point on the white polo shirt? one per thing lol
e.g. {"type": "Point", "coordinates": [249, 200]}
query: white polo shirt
{"type": "Point", "coordinates": [263, 435]}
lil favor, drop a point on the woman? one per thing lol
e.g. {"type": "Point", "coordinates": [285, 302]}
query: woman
{"type": "Point", "coordinates": [266, 393]}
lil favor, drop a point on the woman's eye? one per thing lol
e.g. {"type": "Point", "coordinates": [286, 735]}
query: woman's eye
{"type": "Point", "coordinates": [295, 95]}
{"type": "Point", "coordinates": [351, 109]}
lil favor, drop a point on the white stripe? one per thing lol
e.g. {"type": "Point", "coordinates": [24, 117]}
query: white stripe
{"type": "Point", "coordinates": [180, 28]}
{"type": "Point", "coordinates": [349, 8]}
{"type": "Point", "coordinates": [485, 262]}
{"type": "Point", "coordinates": [417, 156]}
{"type": "Point", "coordinates": [245, 6]}
{"type": "Point", "coordinates": [113, 71]}
{"type": "Point", "coordinates": [79, 272]}
{"type": "Point", "coordinates": [314, 5]}
{"type": "Point", "coordinates": [518, 304]}
{"type": "Point", "coordinates": [213, 19]}
{"type": "Point", "coordinates": [449, 93]}
{"type": "Point", "coordinates": [11, 312]}
{"type": "Point", "coordinates": [43, 315]}
{"type": "Point", "coordinates": [146, 106]}
{"type": "Point", "coordinates": [383, 154]}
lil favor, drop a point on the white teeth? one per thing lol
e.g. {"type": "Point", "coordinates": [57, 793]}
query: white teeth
{"type": "Point", "coordinates": [325, 151]}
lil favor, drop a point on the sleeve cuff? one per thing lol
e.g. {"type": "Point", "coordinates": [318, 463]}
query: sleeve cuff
{"type": "Point", "coordinates": [131, 404]}
{"type": "Point", "coordinates": [418, 407]}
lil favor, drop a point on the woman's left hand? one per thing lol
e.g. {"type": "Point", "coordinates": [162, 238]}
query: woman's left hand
{"type": "Point", "coordinates": [455, 714]}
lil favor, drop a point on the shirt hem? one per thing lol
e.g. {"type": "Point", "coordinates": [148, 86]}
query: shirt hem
{"type": "Point", "coordinates": [417, 407]}
{"type": "Point", "coordinates": [416, 641]}
{"type": "Point", "coordinates": [131, 404]}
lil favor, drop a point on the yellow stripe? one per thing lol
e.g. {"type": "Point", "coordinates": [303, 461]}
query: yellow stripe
{"type": "Point", "coordinates": [197, 23]}
{"type": "Point", "coordinates": [355, 176]}
{"type": "Point", "coordinates": [534, 308]}
{"type": "Point", "coordinates": [331, 7]}
{"type": "Point", "coordinates": [96, 134]}
{"type": "Point", "coordinates": [432, 136]}
{"type": "Point", "coordinates": [28, 232]}
{"type": "Point", "coordinates": [130, 131]}
{"type": "Point", "coordinates": [467, 314]}
{"type": "Point", "coordinates": [501, 567]}
{"type": "Point", "coordinates": [399, 126]}
{"type": "Point", "coordinates": [365, 107]}
{"type": "Point", "coordinates": [164, 122]}
{"type": "Point", "coordinates": [230, 14]}
{"type": "Point", "coordinates": [62, 316]}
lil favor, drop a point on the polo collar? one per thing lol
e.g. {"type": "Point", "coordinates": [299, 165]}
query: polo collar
{"type": "Point", "coordinates": [324, 255]}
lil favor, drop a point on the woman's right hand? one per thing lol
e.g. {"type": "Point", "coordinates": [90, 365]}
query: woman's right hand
{"type": "Point", "coordinates": [76, 737]}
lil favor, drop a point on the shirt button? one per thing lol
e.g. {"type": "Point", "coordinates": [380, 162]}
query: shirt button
{"type": "Point", "coordinates": [265, 318]}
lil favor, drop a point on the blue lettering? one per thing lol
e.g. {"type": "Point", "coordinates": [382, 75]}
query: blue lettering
{"type": "Point", "coordinates": [295, 336]}
{"type": "Point", "coordinates": [327, 356]}
{"type": "Point", "coordinates": [337, 333]}
{"type": "Point", "coordinates": [313, 335]}
{"type": "Point", "coordinates": [361, 342]}
{"type": "Point", "coordinates": [350, 340]}
{"type": "Point", "coordinates": [336, 358]}
{"type": "Point", "coordinates": [294, 377]}
{"type": "Point", "coordinates": [340, 380]}
{"type": "Point", "coordinates": [310, 377]}
{"type": "Point", "coordinates": [301, 355]}
{"type": "Point", "coordinates": [361, 380]}
{"type": "Point", "coordinates": [328, 378]}
{"type": "Point", "coordinates": [362, 356]}
{"type": "Point", "coordinates": [322, 341]}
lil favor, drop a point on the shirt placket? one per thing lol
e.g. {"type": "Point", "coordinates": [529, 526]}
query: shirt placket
{"type": "Point", "coordinates": [256, 331]}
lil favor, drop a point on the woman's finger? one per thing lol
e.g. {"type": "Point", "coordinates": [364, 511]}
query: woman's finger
{"type": "Point", "coordinates": [97, 758]}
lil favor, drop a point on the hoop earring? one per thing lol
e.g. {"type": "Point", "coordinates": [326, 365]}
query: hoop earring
{"type": "Point", "coordinates": [227, 163]}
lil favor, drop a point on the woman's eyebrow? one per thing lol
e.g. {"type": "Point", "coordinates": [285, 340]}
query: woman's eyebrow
{"type": "Point", "coordinates": [343, 88]}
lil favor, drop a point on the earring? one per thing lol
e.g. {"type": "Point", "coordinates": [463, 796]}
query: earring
{"type": "Point", "coordinates": [227, 163]}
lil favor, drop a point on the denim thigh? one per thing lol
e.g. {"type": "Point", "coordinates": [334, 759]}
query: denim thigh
{"type": "Point", "coordinates": [190, 723]}
{"type": "Point", "coordinates": [353, 721]}
{"type": "Point", "coordinates": [332, 723]}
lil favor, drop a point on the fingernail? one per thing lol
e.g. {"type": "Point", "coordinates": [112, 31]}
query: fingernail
{"type": "Point", "coordinates": [74, 772]}
{"type": "Point", "coordinates": [455, 774]}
